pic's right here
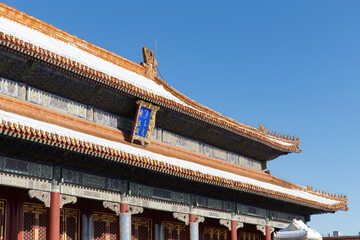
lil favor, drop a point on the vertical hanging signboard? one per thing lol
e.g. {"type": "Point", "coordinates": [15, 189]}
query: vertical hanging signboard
{"type": "Point", "coordinates": [144, 122]}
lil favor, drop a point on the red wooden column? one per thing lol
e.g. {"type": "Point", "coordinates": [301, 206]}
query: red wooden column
{"type": "Point", "coordinates": [124, 207]}
{"type": "Point", "coordinates": [125, 220]}
{"type": "Point", "coordinates": [268, 232]}
{"type": "Point", "coordinates": [233, 225]}
{"type": "Point", "coordinates": [234, 230]}
{"type": "Point", "coordinates": [54, 228]}
{"type": "Point", "coordinates": [194, 226]}
{"type": "Point", "coordinates": [192, 217]}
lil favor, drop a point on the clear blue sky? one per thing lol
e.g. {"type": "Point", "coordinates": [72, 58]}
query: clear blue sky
{"type": "Point", "coordinates": [292, 66]}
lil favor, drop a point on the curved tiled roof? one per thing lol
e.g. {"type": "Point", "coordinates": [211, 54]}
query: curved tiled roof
{"type": "Point", "coordinates": [28, 129]}
{"type": "Point", "coordinates": [43, 42]}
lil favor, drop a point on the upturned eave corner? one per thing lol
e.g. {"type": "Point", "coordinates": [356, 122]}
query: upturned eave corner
{"type": "Point", "coordinates": [342, 199]}
{"type": "Point", "coordinates": [279, 136]}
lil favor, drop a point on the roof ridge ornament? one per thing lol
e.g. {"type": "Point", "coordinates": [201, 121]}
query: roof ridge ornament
{"type": "Point", "coordinates": [262, 129]}
{"type": "Point", "coordinates": [149, 63]}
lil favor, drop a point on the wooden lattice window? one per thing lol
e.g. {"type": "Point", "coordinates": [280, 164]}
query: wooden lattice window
{"type": "Point", "coordinates": [105, 226]}
{"type": "Point", "coordinates": [69, 224]}
{"type": "Point", "coordinates": [215, 233]}
{"type": "Point", "coordinates": [249, 236]}
{"type": "Point", "coordinates": [141, 229]}
{"type": "Point", "coordinates": [34, 225]}
{"type": "Point", "coordinates": [2, 218]}
{"type": "Point", "coordinates": [174, 231]}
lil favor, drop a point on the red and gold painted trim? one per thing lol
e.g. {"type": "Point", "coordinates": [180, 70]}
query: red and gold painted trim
{"type": "Point", "coordinates": [28, 133]}
{"type": "Point", "coordinates": [40, 113]}
{"type": "Point", "coordinates": [84, 72]}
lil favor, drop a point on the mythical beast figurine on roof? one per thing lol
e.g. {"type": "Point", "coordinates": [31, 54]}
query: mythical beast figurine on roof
{"type": "Point", "coordinates": [150, 63]}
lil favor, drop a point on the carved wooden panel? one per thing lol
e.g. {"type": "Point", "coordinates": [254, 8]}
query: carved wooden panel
{"type": "Point", "coordinates": [174, 231]}
{"type": "Point", "coordinates": [2, 218]}
{"type": "Point", "coordinates": [28, 168]}
{"type": "Point", "coordinates": [159, 193]}
{"type": "Point", "coordinates": [215, 204]}
{"type": "Point", "coordinates": [141, 229]}
{"type": "Point", "coordinates": [251, 210]}
{"type": "Point", "coordinates": [215, 233]}
{"type": "Point", "coordinates": [34, 95]}
{"type": "Point", "coordinates": [90, 180]}
{"type": "Point", "coordinates": [69, 224]}
{"type": "Point", "coordinates": [249, 236]}
{"type": "Point", "coordinates": [34, 225]}
{"type": "Point", "coordinates": [105, 226]}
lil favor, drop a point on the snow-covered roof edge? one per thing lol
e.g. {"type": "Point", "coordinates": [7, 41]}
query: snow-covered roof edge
{"type": "Point", "coordinates": [297, 230]}
{"type": "Point", "coordinates": [120, 71]}
{"type": "Point", "coordinates": [33, 129]}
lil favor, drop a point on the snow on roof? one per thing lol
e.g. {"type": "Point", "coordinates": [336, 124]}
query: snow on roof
{"type": "Point", "coordinates": [74, 53]}
{"type": "Point", "coordinates": [82, 56]}
{"type": "Point", "coordinates": [297, 230]}
{"type": "Point", "coordinates": [278, 140]}
{"type": "Point", "coordinates": [15, 118]}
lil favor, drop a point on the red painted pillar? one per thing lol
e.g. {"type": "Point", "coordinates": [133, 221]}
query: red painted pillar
{"type": "Point", "coordinates": [233, 230]}
{"type": "Point", "coordinates": [54, 228]}
{"type": "Point", "coordinates": [268, 232]}
{"type": "Point", "coordinates": [192, 217]}
{"type": "Point", "coordinates": [123, 207]}
{"type": "Point", "coordinates": [194, 227]}
{"type": "Point", "coordinates": [125, 221]}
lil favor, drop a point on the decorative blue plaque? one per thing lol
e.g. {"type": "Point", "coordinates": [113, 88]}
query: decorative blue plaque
{"type": "Point", "coordinates": [142, 122]}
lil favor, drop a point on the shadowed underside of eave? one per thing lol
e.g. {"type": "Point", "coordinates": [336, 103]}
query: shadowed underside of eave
{"type": "Point", "coordinates": [59, 152]}
{"type": "Point", "coordinates": [38, 72]}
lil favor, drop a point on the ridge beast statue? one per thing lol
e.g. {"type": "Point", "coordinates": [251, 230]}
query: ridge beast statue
{"type": "Point", "coordinates": [149, 63]}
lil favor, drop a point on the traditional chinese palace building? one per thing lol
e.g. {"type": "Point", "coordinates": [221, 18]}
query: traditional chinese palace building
{"type": "Point", "coordinates": [354, 237]}
{"type": "Point", "coordinates": [94, 146]}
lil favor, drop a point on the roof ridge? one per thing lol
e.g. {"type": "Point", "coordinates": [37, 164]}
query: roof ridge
{"type": "Point", "coordinates": [54, 32]}
{"type": "Point", "coordinates": [213, 117]}
{"type": "Point", "coordinates": [82, 70]}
